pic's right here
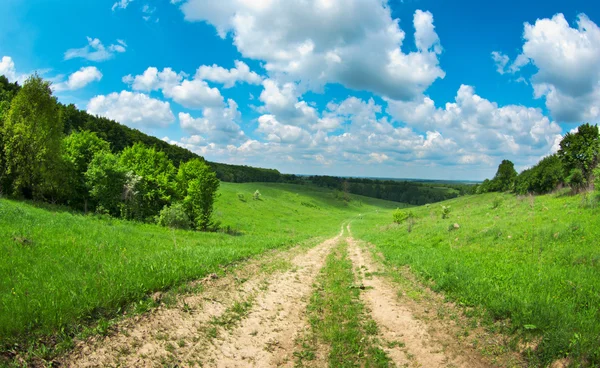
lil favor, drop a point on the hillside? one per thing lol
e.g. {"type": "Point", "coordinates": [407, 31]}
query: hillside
{"type": "Point", "coordinates": [62, 270]}
{"type": "Point", "coordinates": [529, 266]}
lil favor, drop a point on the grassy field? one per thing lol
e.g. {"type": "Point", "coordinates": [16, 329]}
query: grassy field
{"type": "Point", "coordinates": [531, 261]}
{"type": "Point", "coordinates": [61, 270]}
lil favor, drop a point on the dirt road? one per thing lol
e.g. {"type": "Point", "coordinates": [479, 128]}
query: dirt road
{"type": "Point", "coordinates": [254, 316]}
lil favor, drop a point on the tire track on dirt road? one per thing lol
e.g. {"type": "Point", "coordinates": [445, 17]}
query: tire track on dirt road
{"type": "Point", "coordinates": [408, 340]}
{"type": "Point", "coordinates": [266, 338]}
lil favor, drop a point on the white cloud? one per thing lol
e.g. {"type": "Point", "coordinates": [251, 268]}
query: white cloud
{"type": "Point", "coordinates": [79, 79]}
{"type": "Point", "coordinates": [7, 68]}
{"type": "Point", "coordinates": [568, 66]}
{"type": "Point", "coordinates": [275, 131]}
{"type": "Point", "coordinates": [315, 42]}
{"type": "Point", "coordinates": [152, 79]}
{"type": "Point", "coordinates": [194, 94]}
{"type": "Point", "coordinates": [132, 108]}
{"type": "Point", "coordinates": [241, 73]}
{"type": "Point", "coordinates": [501, 61]}
{"type": "Point", "coordinates": [217, 124]}
{"type": "Point", "coordinates": [121, 4]}
{"type": "Point", "coordinates": [96, 51]}
{"type": "Point", "coordinates": [480, 128]}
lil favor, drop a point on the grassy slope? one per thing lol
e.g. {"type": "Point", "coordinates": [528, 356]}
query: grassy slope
{"type": "Point", "coordinates": [59, 269]}
{"type": "Point", "coordinates": [533, 260]}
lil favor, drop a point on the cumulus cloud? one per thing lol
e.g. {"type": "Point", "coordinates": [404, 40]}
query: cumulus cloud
{"type": "Point", "coordinates": [79, 79]}
{"type": "Point", "coordinates": [275, 131]}
{"type": "Point", "coordinates": [568, 66]}
{"type": "Point", "coordinates": [96, 51]}
{"type": "Point", "coordinates": [7, 68]}
{"type": "Point", "coordinates": [480, 128]}
{"type": "Point", "coordinates": [218, 74]}
{"type": "Point", "coordinates": [353, 42]}
{"type": "Point", "coordinates": [132, 108]}
{"type": "Point", "coordinates": [194, 94]}
{"type": "Point", "coordinates": [217, 124]}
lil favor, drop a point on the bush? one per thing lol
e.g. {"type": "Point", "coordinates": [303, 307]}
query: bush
{"type": "Point", "coordinates": [174, 216]}
{"type": "Point", "coordinates": [241, 197]}
{"type": "Point", "coordinates": [401, 215]}
{"type": "Point", "coordinates": [256, 195]}
{"type": "Point", "coordinates": [576, 180]}
{"type": "Point", "coordinates": [445, 212]}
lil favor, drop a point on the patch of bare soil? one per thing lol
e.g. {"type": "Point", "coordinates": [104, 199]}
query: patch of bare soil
{"type": "Point", "coordinates": [210, 328]}
{"type": "Point", "coordinates": [408, 340]}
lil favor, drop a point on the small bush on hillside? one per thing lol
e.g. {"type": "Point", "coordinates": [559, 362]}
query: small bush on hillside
{"type": "Point", "coordinates": [401, 215]}
{"type": "Point", "coordinates": [256, 195]}
{"type": "Point", "coordinates": [497, 202]}
{"type": "Point", "coordinates": [241, 197]}
{"type": "Point", "coordinates": [174, 216]}
{"type": "Point", "coordinates": [445, 212]}
{"type": "Point", "coordinates": [576, 180]}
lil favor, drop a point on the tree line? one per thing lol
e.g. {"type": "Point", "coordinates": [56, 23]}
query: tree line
{"type": "Point", "coordinates": [410, 192]}
{"type": "Point", "coordinates": [574, 165]}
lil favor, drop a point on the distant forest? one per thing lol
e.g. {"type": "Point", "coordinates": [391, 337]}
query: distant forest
{"type": "Point", "coordinates": [121, 137]}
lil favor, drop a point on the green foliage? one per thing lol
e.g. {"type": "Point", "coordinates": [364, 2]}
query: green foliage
{"type": "Point", "coordinates": [198, 185]}
{"type": "Point", "coordinates": [79, 149]}
{"type": "Point", "coordinates": [153, 185]}
{"type": "Point", "coordinates": [504, 180]}
{"type": "Point", "coordinates": [32, 139]}
{"type": "Point", "coordinates": [532, 262]}
{"type": "Point", "coordinates": [174, 217]}
{"type": "Point", "coordinates": [445, 212]}
{"type": "Point", "coordinates": [497, 202]}
{"type": "Point", "coordinates": [106, 178]}
{"type": "Point", "coordinates": [576, 180]}
{"type": "Point", "coordinates": [241, 197]}
{"type": "Point", "coordinates": [256, 195]}
{"type": "Point", "coordinates": [543, 178]}
{"type": "Point", "coordinates": [580, 151]}
{"type": "Point", "coordinates": [400, 215]}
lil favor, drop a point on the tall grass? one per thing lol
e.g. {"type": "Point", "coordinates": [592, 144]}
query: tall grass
{"type": "Point", "coordinates": [59, 269]}
{"type": "Point", "coordinates": [532, 260]}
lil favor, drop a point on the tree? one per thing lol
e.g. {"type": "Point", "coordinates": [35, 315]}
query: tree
{"type": "Point", "coordinates": [156, 185]}
{"type": "Point", "coordinates": [106, 179]}
{"type": "Point", "coordinates": [32, 138]}
{"type": "Point", "coordinates": [505, 177]}
{"type": "Point", "coordinates": [79, 149]}
{"type": "Point", "coordinates": [198, 184]}
{"type": "Point", "coordinates": [580, 151]}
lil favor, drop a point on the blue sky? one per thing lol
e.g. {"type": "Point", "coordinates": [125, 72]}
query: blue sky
{"type": "Point", "coordinates": [427, 89]}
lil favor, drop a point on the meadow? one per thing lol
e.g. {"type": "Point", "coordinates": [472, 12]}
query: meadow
{"type": "Point", "coordinates": [531, 264]}
{"type": "Point", "coordinates": [61, 270]}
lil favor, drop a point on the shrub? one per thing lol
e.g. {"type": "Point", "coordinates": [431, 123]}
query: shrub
{"type": "Point", "coordinates": [576, 180]}
{"type": "Point", "coordinates": [497, 202]}
{"type": "Point", "coordinates": [401, 215]}
{"type": "Point", "coordinates": [445, 212]}
{"type": "Point", "coordinates": [174, 216]}
{"type": "Point", "coordinates": [256, 195]}
{"type": "Point", "coordinates": [241, 197]}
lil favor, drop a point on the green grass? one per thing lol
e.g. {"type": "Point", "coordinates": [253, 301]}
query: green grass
{"type": "Point", "coordinates": [532, 261]}
{"type": "Point", "coordinates": [60, 271]}
{"type": "Point", "coordinates": [338, 318]}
